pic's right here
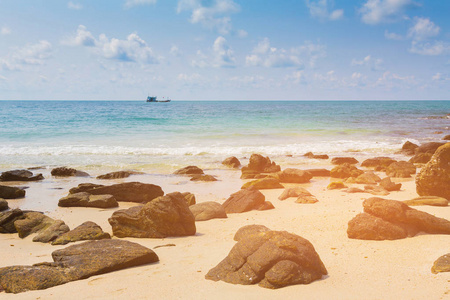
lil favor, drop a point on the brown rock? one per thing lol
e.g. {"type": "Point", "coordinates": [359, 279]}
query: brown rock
{"type": "Point", "coordinates": [344, 160]}
{"type": "Point", "coordinates": [51, 232]}
{"type": "Point", "coordinates": [430, 147]}
{"type": "Point", "coordinates": [265, 183]}
{"type": "Point", "coordinates": [266, 206]}
{"type": "Point", "coordinates": [129, 191]}
{"type": "Point", "coordinates": [8, 218]}
{"type": "Point", "coordinates": [401, 169]}
{"type": "Point", "coordinates": [421, 158]}
{"type": "Point", "coordinates": [291, 175]}
{"type": "Point", "coordinates": [320, 156]}
{"type": "Point", "coordinates": [345, 171]}
{"type": "Point", "coordinates": [442, 264]}
{"type": "Point", "coordinates": [249, 174]}
{"type": "Point", "coordinates": [203, 177]}
{"type": "Point", "coordinates": [336, 185]}
{"type": "Point", "coordinates": [368, 227]}
{"type": "Point", "coordinates": [427, 200]}
{"type": "Point", "coordinates": [248, 230]}
{"type": "Point", "coordinates": [319, 172]}
{"type": "Point", "coordinates": [378, 162]}
{"type": "Point", "coordinates": [262, 164]}
{"type": "Point", "coordinates": [32, 222]}
{"type": "Point", "coordinates": [20, 175]}
{"type": "Point", "coordinates": [232, 162]}
{"type": "Point", "coordinates": [390, 186]}
{"type": "Point", "coordinates": [368, 178]}
{"type": "Point", "coordinates": [189, 170]}
{"type": "Point", "coordinates": [446, 138]}
{"type": "Point", "coordinates": [353, 190]}
{"type": "Point", "coordinates": [243, 201]}
{"type": "Point", "coordinates": [84, 187]}
{"type": "Point", "coordinates": [3, 204]}
{"type": "Point", "coordinates": [409, 148]}
{"type": "Point", "coordinates": [84, 199]}
{"type": "Point", "coordinates": [208, 210]}
{"type": "Point", "coordinates": [273, 259]}
{"type": "Point", "coordinates": [67, 172]}
{"type": "Point", "coordinates": [86, 231]}
{"type": "Point", "coordinates": [375, 190]}
{"type": "Point", "coordinates": [118, 175]}
{"type": "Point", "coordinates": [189, 197]}
{"type": "Point", "coordinates": [9, 192]}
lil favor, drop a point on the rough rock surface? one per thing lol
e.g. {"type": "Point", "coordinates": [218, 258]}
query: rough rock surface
{"type": "Point", "coordinates": [83, 187]}
{"type": "Point", "coordinates": [67, 172]}
{"type": "Point", "coordinates": [249, 230]}
{"type": "Point", "coordinates": [9, 192]}
{"type": "Point", "coordinates": [271, 259]}
{"type": "Point", "coordinates": [244, 200]}
{"type": "Point", "coordinates": [7, 219]}
{"type": "Point", "coordinates": [232, 162]}
{"type": "Point", "coordinates": [434, 178]}
{"type": "Point", "coordinates": [345, 171]}
{"type": "Point", "coordinates": [76, 262]}
{"type": "Point", "coordinates": [421, 158]}
{"type": "Point", "coordinates": [261, 184]}
{"type": "Point", "coordinates": [314, 156]}
{"type": "Point", "coordinates": [118, 175]}
{"type": "Point", "coordinates": [344, 160]}
{"type": "Point", "coordinates": [319, 172]}
{"type": "Point", "coordinates": [20, 175]}
{"type": "Point", "coordinates": [336, 185]}
{"type": "Point", "coordinates": [389, 219]}
{"type": "Point", "coordinates": [189, 197]}
{"type": "Point", "coordinates": [390, 186]}
{"type": "Point", "coordinates": [3, 204]}
{"type": "Point", "coordinates": [208, 210]}
{"type": "Point", "coordinates": [189, 170]}
{"type": "Point", "coordinates": [164, 216]}
{"type": "Point", "coordinates": [86, 231]}
{"type": "Point", "coordinates": [368, 178]}
{"type": "Point", "coordinates": [401, 169]}
{"type": "Point", "coordinates": [291, 175]}
{"type": "Point", "coordinates": [409, 148]}
{"type": "Point", "coordinates": [427, 200]}
{"type": "Point", "coordinates": [302, 195]}
{"type": "Point", "coordinates": [84, 199]}
{"type": "Point", "coordinates": [430, 147]}
{"type": "Point", "coordinates": [32, 222]}
{"type": "Point", "coordinates": [51, 232]}
{"type": "Point", "coordinates": [203, 177]}
{"type": "Point", "coordinates": [442, 264]}
{"type": "Point", "coordinates": [378, 162]}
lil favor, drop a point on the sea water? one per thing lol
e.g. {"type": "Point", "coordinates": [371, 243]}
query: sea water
{"type": "Point", "coordinates": [161, 137]}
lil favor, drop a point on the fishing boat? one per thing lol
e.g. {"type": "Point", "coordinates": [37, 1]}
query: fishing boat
{"type": "Point", "coordinates": [153, 99]}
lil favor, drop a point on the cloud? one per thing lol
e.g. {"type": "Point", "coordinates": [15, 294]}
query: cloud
{"type": "Point", "coordinates": [214, 16]}
{"type": "Point", "coordinates": [132, 49]}
{"type": "Point", "coordinates": [375, 64]}
{"type": "Point", "coordinates": [131, 3]}
{"type": "Point", "coordinates": [242, 33]}
{"type": "Point", "coordinates": [175, 51]}
{"type": "Point", "coordinates": [224, 55]}
{"type": "Point", "coordinates": [320, 9]}
{"type": "Point", "coordinates": [34, 54]}
{"type": "Point", "coordinates": [429, 48]}
{"type": "Point", "coordinates": [392, 36]}
{"type": "Point", "coordinates": [5, 30]}
{"type": "Point", "coordinates": [391, 80]}
{"type": "Point", "coordinates": [378, 11]}
{"type": "Point", "coordinates": [423, 29]}
{"type": "Point", "coordinates": [296, 77]}
{"type": "Point", "coordinates": [74, 6]}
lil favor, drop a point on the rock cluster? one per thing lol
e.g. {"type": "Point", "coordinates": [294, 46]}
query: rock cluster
{"type": "Point", "coordinates": [345, 170]}
{"type": "Point", "coordinates": [20, 175]}
{"type": "Point", "coordinates": [259, 164]}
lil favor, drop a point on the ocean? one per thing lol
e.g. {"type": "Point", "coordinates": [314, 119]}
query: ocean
{"type": "Point", "coordinates": [162, 137]}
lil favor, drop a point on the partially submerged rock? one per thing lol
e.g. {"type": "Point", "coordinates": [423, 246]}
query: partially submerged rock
{"type": "Point", "coordinates": [316, 156]}
{"type": "Point", "coordinates": [409, 148]}
{"type": "Point", "coordinates": [244, 200]}
{"type": "Point", "coordinates": [9, 192]}
{"type": "Point", "coordinates": [378, 163]}
{"type": "Point", "coordinates": [430, 147]}
{"type": "Point", "coordinates": [68, 172]}
{"type": "Point", "coordinates": [84, 199]}
{"type": "Point", "coordinates": [271, 259]}
{"type": "Point", "coordinates": [189, 170]}
{"type": "Point", "coordinates": [203, 177]}
{"type": "Point", "coordinates": [232, 162]}
{"type": "Point", "coordinates": [74, 263]}
{"type": "Point", "coordinates": [86, 231]}
{"type": "Point", "coordinates": [208, 210]}
{"type": "Point", "coordinates": [442, 264]}
{"type": "Point", "coordinates": [20, 175]}
{"type": "Point", "coordinates": [118, 175]}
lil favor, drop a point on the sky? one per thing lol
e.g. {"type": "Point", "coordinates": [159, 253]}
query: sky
{"type": "Point", "coordinates": [225, 49]}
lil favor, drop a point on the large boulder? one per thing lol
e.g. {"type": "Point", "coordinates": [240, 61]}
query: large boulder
{"type": "Point", "coordinates": [74, 263]}
{"type": "Point", "coordinates": [3, 204]}
{"type": "Point", "coordinates": [389, 219]}
{"type": "Point", "coordinates": [20, 175]}
{"type": "Point", "coordinates": [345, 170]}
{"type": "Point", "coordinates": [263, 184]}
{"type": "Point", "coordinates": [10, 192]}
{"type": "Point", "coordinates": [344, 160]}
{"type": "Point", "coordinates": [430, 147]}
{"type": "Point", "coordinates": [409, 148]}
{"type": "Point", "coordinates": [271, 259]}
{"type": "Point", "coordinates": [262, 164]}
{"type": "Point", "coordinates": [86, 231]}
{"type": "Point", "coordinates": [208, 210]}
{"type": "Point", "coordinates": [401, 169]}
{"type": "Point", "coordinates": [84, 199]}
{"type": "Point", "coordinates": [32, 222]}
{"type": "Point", "coordinates": [7, 219]}
{"type": "Point", "coordinates": [421, 158]}
{"type": "Point", "coordinates": [232, 162]}
{"type": "Point", "coordinates": [244, 200]}
{"type": "Point", "coordinates": [68, 172]}
{"type": "Point", "coordinates": [434, 177]}
{"type": "Point", "coordinates": [164, 216]}
{"type": "Point", "coordinates": [291, 175]}
{"type": "Point", "coordinates": [189, 170]}
{"type": "Point", "coordinates": [118, 175]}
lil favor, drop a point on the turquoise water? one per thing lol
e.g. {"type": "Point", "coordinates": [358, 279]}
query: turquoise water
{"type": "Point", "coordinates": [130, 134]}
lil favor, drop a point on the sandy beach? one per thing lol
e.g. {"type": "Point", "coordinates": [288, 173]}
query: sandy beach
{"type": "Point", "coordinates": [357, 269]}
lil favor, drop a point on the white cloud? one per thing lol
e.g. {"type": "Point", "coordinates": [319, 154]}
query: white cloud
{"type": "Point", "coordinates": [390, 81]}
{"type": "Point", "coordinates": [296, 77]}
{"type": "Point", "coordinates": [375, 64]}
{"type": "Point", "coordinates": [429, 48]}
{"type": "Point", "coordinates": [242, 33]}
{"type": "Point", "coordinates": [175, 51]}
{"type": "Point", "coordinates": [215, 16]}
{"type": "Point", "coordinates": [423, 29]}
{"type": "Point", "coordinates": [132, 49]}
{"type": "Point", "coordinates": [320, 9]}
{"type": "Point", "coordinates": [377, 11]}
{"type": "Point", "coordinates": [5, 30]}
{"type": "Point", "coordinates": [201, 60]}
{"type": "Point", "coordinates": [74, 6]}
{"type": "Point", "coordinates": [131, 3]}
{"type": "Point", "coordinates": [35, 54]}
{"type": "Point", "coordinates": [393, 36]}
{"type": "Point", "coordinates": [224, 55]}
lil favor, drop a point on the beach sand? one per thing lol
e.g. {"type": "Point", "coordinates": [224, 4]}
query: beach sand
{"type": "Point", "coordinates": [357, 269]}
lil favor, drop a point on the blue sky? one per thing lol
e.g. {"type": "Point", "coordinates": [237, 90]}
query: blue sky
{"type": "Point", "coordinates": [225, 49]}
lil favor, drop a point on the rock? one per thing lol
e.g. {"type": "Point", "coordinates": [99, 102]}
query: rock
{"type": "Point", "coordinates": [129, 191]}
{"type": "Point", "coordinates": [336, 185]}
{"type": "Point", "coordinates": [344, 160]}
{"type": "Point", "coordinates": [74, 263]}
{"type": "Point", "coordinates": [390, 186]}
{"type": "Point", "coordinates": [86, 231]}
{"type": "Point", "coordinates": [164, 216]}
{"type": "Point", "coordinates": [320, 156]}
{"type": "Point", "coordinates": [446, 138]}
{"type": "Point", "coordinates": [302, 195]}
{"type": "Point", "coordinates": [434, 177]}
{"type": "Point", "coordinates": [20, 175]}
{"type": "Point", "coordinates": [67, 172]}
{"type": "Point", "coordinates": [401, 169]}
{"type": "Point", "coordinates": [243, 201]}
{"type": "Point", "coordinates": [189, 197]}
{"type": "Point", "coordinates": [291, 175]}
{"type": "Point", "coordinates": [249, 174]}
{"type": "Point", "coordinates": [353, 190]}
{"type": "Point", "coordinates": [345, 171]}
{"type": "Point", "coordinates": [8, 218]}
{"type": "Point", "coordinates": [262, 164]}
{"type": "Point", "coordinates": [379, 163]}
{"type": "Point", "coordinates": [319, 172]}
{"type": "Point", "coordinates": [51, 232]}
{"type": "Point", "coordinates": [10, 192]}
{"type": "Point", "coordinates": [390, 219]}
{"type": "Point", "coordinates": [265, 183]}
{"type": "Point", "coordinates": [3, 204]}
{"type": "Point", "coordinates": [232, 162]}
{"type": "Point", "coordinates": [208, 210]}
{"type": "Point", "coordinates": [84, 199]}
{"type": "Point", "coordinates": [442, 264]}
{"type": "Point", "coordinates": [32, 222]}
{"type": "Point", "coordinates": [409, 148]}
{"type": "Point", "coordinates": [430, 147]}
{"type": "Point", "coordinates": [84, 187]}
{"type": "Point", "coordinates": [368, 178]}
{"type": "Point", "coordinates": [203, 177]}
{"type": "Point", "coordinates": [427, 200]}
{"type": "Point", "coordinates": [272, 259]}
{"type": "Point", "coordinates": [248, 230]}
{"type": "Point", "coordinates": [375, 190]}
{"type": "Point", "coordinates": [189, 170]}
{"type": "Point", "coordinates": [118, 175]}
{"type": "Point", "coordinates": [421, 158]}
{"type": "Point", "coordinates": [266, 206]}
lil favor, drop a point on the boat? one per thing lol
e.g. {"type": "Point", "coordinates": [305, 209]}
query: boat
{"type": "Point", "coordinates": [153, 99]}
